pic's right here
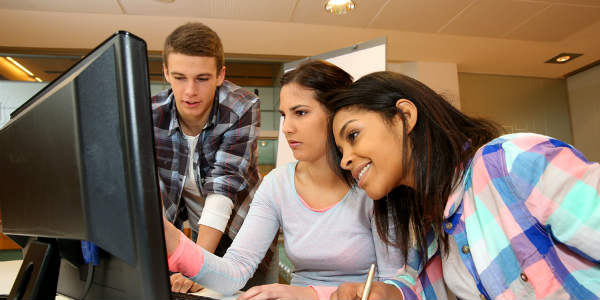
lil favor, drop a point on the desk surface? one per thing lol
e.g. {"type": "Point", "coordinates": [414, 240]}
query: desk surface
{"type": "Point", "coordinates": [8, 273]}
{"type": "Point", "coordinates": [10, 269]}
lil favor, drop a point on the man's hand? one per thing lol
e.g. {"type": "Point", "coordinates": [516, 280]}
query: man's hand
{"type": "Point", "coordinates": [278, 291]}
{"type": "Point", "coordinates": [379, 290]}
{"type": "Point", "coordinates": [181, 284]}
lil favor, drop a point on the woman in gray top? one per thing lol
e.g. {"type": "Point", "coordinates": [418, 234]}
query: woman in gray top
{"type": "Point", "coordinates": [328, 227]}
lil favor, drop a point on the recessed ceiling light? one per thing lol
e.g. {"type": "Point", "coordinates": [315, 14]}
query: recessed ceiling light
{"type": "Point", "coordinates": [339, 7]}
{"type": "Point", "coordinates": [563, 58]}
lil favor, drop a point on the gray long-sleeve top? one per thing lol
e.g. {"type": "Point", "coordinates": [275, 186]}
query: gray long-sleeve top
{"type": "Point", "coordinates": [326, 247]}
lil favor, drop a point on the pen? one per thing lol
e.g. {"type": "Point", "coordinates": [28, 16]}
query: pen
{"type": "Point", "coordinates": [367, 290]}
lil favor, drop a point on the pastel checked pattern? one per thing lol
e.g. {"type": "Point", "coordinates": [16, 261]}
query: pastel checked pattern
{"type": "Point", "coordinates": [529, 212]}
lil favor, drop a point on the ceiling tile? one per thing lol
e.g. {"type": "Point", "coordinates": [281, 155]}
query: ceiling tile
{"type": "Point", "coordinates": [566, 25]}
{"type": "Point", "coordinates": [313, 12]}
{"type": "Point", "coordinates": [418, 15]}
{"type": "Point", "coordinates": [84, 6]}
{"type": "Point", "coordinates": [557, 23]}
{"type": "Point", "coordinates": [507, 15]}
{"type": "Point", "coordinates": [577, 2]}
{"type": "Point", "coordinates": [260, 10]}
{"type": "Point", "coordinates": [180, 8]}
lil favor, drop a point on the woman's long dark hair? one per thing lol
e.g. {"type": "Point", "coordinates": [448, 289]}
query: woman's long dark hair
{"type": "Point", "coordinates": [325, 80]}
{"type": "Point", "coordinates": [443, 141]}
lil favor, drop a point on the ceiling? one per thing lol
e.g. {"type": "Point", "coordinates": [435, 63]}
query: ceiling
{"type": "Point", "coordinates": [507, 37]}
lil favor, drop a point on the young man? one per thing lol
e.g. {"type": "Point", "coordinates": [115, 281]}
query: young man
{"type": "Point", "coordinates": [205, 131]}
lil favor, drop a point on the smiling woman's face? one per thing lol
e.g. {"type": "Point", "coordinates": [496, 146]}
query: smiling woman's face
{"type": "Point", "coordinates": [371, 149]}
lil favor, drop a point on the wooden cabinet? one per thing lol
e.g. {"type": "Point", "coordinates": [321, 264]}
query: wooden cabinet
{"type": "Point", "coordinates": [7, 244]}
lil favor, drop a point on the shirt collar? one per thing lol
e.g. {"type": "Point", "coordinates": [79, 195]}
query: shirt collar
{"type": "Point", "coordinates": [174, 123]}
{"type": "Point", "coordinates": [458, 193]}
{"type": "Point", "coordinates": [212, 117]}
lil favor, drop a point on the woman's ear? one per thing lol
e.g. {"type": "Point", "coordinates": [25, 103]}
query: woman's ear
{"type": "Point", "coordinates": [409, 110]}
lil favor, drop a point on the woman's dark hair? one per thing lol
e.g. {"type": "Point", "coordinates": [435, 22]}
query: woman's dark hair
{"type": "Point", "coordinates": [325, 80]}
{"type": "Point", "coordinates": [443, 141]}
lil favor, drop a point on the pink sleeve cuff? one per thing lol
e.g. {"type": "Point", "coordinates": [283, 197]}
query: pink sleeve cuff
{"type": "Point", "coordinates": [187, 259]}
{"type": "Point", "coordinates": [324, 292]}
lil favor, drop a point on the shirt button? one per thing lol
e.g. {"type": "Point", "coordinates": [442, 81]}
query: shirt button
{"type": "Point", "coordinates": [465, 249]}
{"type": "Point", "coordinates": [448, 225]}
{"type": "Point", "coordinates": [482, 297]}
{"type": "Point", "coordinates": [524, 277]}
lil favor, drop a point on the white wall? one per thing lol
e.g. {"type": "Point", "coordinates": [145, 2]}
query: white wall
{"type": "Point", "coordinates": [363, 62]}
{"type": "Point", "coordinates": [440, 77]}
{"type": "Point", "coordinates": [519, 104]}
{"type": "Point", "coordinates": [15, 93]}
{"type": "Point", "coordinates": [584, 106]}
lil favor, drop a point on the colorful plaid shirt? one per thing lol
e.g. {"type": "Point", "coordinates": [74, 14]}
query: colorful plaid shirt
{"type": "Point", "coordinates": [225, 161]}
{"type": "Point", "coordinates": [526, 220]}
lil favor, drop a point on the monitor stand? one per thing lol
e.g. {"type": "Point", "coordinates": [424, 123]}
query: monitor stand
{"type": "Point", "coordinates": [38, 276]}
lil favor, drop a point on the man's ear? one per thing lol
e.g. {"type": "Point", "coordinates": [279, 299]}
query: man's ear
{"type": "Point", "coordinates": [166, 73]}
{"type": "Point", "coordinates": [221, 76]}
{"type": "Point", "coordinates": [408, 109]}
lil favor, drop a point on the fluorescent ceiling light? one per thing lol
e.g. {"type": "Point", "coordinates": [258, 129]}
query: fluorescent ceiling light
{"type": "Point", "coordinates": [14, 62]}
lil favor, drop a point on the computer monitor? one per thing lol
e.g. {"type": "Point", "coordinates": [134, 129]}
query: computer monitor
{"type": "Point", "coordinates": [78, 164]}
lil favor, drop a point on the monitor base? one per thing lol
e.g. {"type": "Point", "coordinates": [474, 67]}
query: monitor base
{"type": "Point", "coordinates": [38, 275]}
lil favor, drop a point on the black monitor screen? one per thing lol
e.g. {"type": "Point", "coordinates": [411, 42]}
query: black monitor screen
{"type": "Point", "coordinates": [78, 164]}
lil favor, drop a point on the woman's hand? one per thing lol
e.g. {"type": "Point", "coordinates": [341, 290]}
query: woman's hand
{"type": "Point", "coordinates": [181, 284]}
{"type": "Point", "coordinates": [379, 290]}
{"type": "Point", "coordinates": [279, 291]}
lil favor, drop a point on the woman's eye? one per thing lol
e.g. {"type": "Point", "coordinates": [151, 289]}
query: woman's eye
{"type": "Point", "coordinates": [300, 112]}
{"type": "Point", "coordinates": [352, 135]}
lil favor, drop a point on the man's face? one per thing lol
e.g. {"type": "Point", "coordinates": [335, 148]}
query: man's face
{"type": "Point", "coordinates": [194, 80]}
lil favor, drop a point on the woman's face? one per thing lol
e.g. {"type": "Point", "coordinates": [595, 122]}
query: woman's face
{"type": "Point", "coordinates": [305, 122]}
{"type": "Point", "coordinates": [371, 149]}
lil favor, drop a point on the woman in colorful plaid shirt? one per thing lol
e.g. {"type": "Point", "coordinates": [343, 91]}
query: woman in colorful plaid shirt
{"type": "Point", "coordinates": [509, 217]}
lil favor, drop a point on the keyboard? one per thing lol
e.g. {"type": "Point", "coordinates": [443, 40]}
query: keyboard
{"type": "Point", "coordinates": [185, 296]}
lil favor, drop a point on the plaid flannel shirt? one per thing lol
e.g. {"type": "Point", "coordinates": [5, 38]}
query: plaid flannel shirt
{"type": "Point", "coordinates": [225, 161]}
{"type": "Point", "coordinates": [527, 221]}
